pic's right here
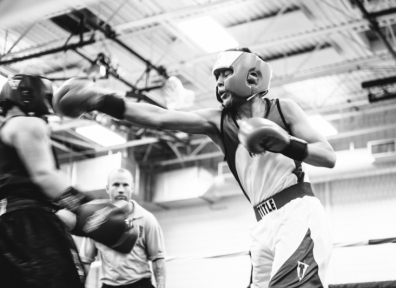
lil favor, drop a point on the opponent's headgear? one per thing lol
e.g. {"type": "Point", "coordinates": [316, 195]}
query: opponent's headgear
{"type": "Point", "coordinates": [32, 94]}
{"type": "Point", "coordinates": [243, 63]}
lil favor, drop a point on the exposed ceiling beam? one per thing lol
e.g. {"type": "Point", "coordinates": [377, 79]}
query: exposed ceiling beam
{"type": "Point", "coordinates": [111, 34]}
{"type": "Point", "coordinates": [61, 146]}
{"type": "Point", "coordinates": [369, 109]}
{"type": "Point", "coordinates": [72, 141]}
{"type": "Point", "coordinates": [133, 143]}
{"type": "Point", "coordinates": [375, 27]}
{"type": "Point", "coordinates": [364, 131]}
{"type": "Point", "coordinates": [337, 68]}
{"type": "Point", "coordinates": [357, 25]}
{"type": "Point", "coordinates": [191, 158]}
{"type": "Point", "coordinates": [70, 124]}
{"type": "Point", "coordinates": [220, 154]}
{"type": "Point", "coordinates": [135, 91]}
{"type": "Point", "coordinates": [196, 9]}
{"type": "Point", "coordinates": [47, 52]}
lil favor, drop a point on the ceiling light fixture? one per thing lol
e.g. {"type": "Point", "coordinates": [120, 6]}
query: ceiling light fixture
{"type": "Point", "coordinates": [324, 127]}
{"type": "Point", "coordinates": [3, 80]}
{"type": "Point", "coordinates": [208, 34]}
{"type": "Point", "coordinates": [101, 135]}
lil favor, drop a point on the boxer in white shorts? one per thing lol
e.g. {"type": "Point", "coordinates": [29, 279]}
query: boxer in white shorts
{"type": "Point", "coordinates": [264, 142]}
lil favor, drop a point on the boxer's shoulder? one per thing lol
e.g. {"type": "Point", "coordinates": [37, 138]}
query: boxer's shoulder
{"type": "Point", "coordinates": [27, 126]}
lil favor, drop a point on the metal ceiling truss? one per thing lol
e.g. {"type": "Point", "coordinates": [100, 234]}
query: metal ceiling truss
{"type": "Point", "coordinates": [49, 51]}
{"type": "Point", "coordinates": [375, 26]}
{"type": "Point", "coordinates": [132, 143]}
{"type": "Point", "coordinates": [191, 10]}
{"type": "Point", "coordinates": [356, 26]}
{"type": "Point", "coordinates": [135, 93]}
{"type": "Point", "coordinates": [111, 34]}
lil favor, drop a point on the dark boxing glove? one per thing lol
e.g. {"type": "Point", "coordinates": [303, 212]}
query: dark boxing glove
{"type": "Point", "coordinates": [72, 199]}
{"type": "Point", "coordinates": [259, 135]}
{"type": "Point", "coordinates": [103, 222]}
{"type": "Point", "coordinates": [106, 224]}
{"type": "Point", "coordinates": [76, 96]}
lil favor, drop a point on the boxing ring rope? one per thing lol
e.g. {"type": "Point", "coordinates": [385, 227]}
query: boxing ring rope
{"type": "Point", "coordinates": [242, 253]}
{"type": "Point", "coordinates": [379, 284]}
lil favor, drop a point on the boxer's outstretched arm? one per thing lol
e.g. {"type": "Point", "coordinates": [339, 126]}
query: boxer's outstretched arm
{"type": "Point", "coordinates": [29, 136]}
{"type": "Point", "coordinates": [76, 96]}
{"type": "Point", "coordinates": [195, 122]}
{"type": "Point", "coordinates": [320, 152]}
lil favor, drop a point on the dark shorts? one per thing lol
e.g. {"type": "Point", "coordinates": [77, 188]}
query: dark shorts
{"type": "Point", "coordinates": [143, 283]}
{"type": "Point", "coordinates": [37, 251]}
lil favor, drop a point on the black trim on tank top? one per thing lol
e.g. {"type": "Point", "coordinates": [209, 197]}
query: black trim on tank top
{"type": "Point", "coordinates": [57, 165]}
{"type": "Point", "coordinates": [267, 107]}
{"type": "Point", "coordinates": [283, 118]}
{"type": "Point", "coordinates": [298, 171]}
{"type": "Point", "coordinates": [223, 113]}
{"type": "Point", "coordinates": [234, 119]}
{"type": "Point", "coordinates": [222, 133]}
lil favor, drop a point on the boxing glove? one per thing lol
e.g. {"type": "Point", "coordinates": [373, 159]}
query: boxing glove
{"type": "Point", "coordinates": [76, 96]}
{"type": "Point", "coordinates": [99, 220]}
{"type": "Point", "coordinates": [72, 199]}
{"type": "Point", "coordinates": [106, 224]}
{"type": "Point", "coordinates": [259, 135]}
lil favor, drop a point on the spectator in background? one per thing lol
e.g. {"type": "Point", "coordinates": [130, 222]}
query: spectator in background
{"type": "Point", "coordinates": [129, 270]}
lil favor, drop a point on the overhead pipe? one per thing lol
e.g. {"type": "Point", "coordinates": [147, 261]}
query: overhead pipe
{"type": "Point", "coordinates": [50, 51]}
{"type": "Point", "coordinates": [111, 34]}
{"type": "Point", "coordinates": [135, 93]}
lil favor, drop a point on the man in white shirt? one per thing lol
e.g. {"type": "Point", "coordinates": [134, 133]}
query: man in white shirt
{"type": "Point", "coordinates": [129, 270]}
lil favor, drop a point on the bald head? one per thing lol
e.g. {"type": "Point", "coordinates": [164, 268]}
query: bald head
{"type": "Point", "coordinates": [119, 184]}
{"type": "Point", "coordinates": [119, 171]}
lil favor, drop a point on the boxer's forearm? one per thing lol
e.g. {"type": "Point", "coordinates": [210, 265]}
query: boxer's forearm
{"type": "Point", "coordinates": [320, 155]}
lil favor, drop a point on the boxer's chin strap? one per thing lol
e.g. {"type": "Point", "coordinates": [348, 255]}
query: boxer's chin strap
{"type": "Point", "coordinates": [247, 99]}
{"type": "Point", "coordinates": [255, 94]}
{"type": "Point", "coordinates": [251, 97]}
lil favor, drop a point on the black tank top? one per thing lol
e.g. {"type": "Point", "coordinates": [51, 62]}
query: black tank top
{"type": "Point", "coordinates": [14, 178]}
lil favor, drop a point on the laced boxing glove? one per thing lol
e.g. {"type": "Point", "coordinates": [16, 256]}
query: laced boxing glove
{"type": "Point", "coordinates": [259, 135]}
{"type": "Point", "coordinates": [76, 96]}
{"type": "Point", "coordinates": [103, 222]}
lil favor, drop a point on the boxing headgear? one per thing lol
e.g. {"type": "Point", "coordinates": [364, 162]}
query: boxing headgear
{"type": "Point", "coordinates": [243, 63]}
{"type": "Point", "coordinates": [32, 94]}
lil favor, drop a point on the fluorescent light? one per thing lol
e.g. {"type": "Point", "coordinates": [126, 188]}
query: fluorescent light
{"type": "Point", "coordinates": [208, 34]}
{"type": "Point", "coordinates": [101, 135]}
{"type": "Point", "coordinates": [3, 80]}
{"type": "Point", "coordinates": [322, 125]}
{"type": "Point", "coordinates": [53, 118]}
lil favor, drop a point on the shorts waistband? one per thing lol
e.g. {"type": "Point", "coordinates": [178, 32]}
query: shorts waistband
{"type": "Point", "coordinates": [12, 204]}
{"type": "Point", "coordinates": [144, 282]}
{"type": "Point", "coordinates": [280, 199]}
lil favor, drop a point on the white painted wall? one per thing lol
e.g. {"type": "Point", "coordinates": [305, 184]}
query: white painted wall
{"type": "Point", "coordinates": [359, 209]}
{"type": "Point", "coordinates": [91, 174]}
